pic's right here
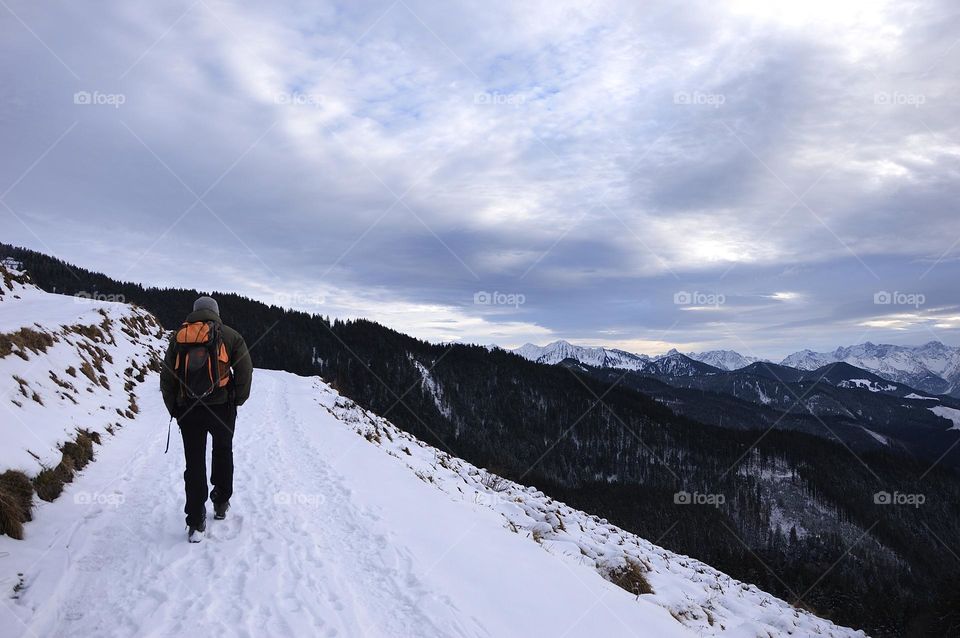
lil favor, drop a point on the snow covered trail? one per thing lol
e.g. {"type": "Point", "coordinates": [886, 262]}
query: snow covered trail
{"type": "Point", "coordinates": [327, 536]}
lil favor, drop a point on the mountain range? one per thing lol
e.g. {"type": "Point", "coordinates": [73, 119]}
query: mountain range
{"type": "Point", "coordinates": [932, 367]}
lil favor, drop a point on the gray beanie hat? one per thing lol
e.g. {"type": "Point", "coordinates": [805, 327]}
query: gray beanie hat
{"type": "Point", "coordinates": [206, 303]}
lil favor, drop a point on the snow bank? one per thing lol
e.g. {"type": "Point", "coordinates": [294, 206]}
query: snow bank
{"type": "Point", "coordinates": [69, 363]}
{"type": "Point", "coordinates": [703, 599]}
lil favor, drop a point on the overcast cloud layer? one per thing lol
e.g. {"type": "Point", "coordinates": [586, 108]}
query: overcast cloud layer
{"type": "Point", "coordinates": [753, 174]}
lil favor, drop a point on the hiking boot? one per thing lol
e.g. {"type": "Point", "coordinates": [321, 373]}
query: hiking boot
{"type": "Point", "coordinates": [196, 533]}
{"type": "Point", "coordinates": [220, 510]}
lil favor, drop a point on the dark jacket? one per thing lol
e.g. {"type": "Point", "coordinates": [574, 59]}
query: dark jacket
{"type": "Point", "coordinates": [237, 391]}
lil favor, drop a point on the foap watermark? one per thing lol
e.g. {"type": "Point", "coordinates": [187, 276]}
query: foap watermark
{"type": "Point", "coordinates": [684, 497]}
{"type": "Point", "coordinates": [896, 98]}
{"type": "Point", "coordinates": [100, 296]}
{"type": "Point", "coordinates": [113, 499]}
{"type": "Point", "coordinates": [299, 99]}
{"type": "Point", "coordinates": [490, 499]}
{"type": "Point", "coordinates": [299, 498]}
{"type": "Point", "coordinates": [699, 98]}
{"type": "Point", "coordinates": [898, 298]}
{"type": "Point", "coordinates": [298, 300]}
{"type": "Point", "coordinates": [496, 298]}
{"type": "Point", "coordinates": [697, 298]}
{"type": "Point", "coordinates": [96, 98]}
{"type": "Point", "coordinates": [899, 498]}
{"type": "Point", "coordinates": [499, 99]}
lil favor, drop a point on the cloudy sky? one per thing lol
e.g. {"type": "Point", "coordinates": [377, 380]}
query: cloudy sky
{"type": "Point", "coordinates": [761, 175]}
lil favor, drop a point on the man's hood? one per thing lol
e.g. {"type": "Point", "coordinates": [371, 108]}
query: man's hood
{"type": "Point", "coordinates": [204, 315]}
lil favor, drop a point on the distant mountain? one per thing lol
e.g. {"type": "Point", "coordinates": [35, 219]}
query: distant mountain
{"type": "Point", "coordinates": [557, 351]}
{"type": "Point", "coordinates": [836, 401]}
{"type": "Point", "coordinates": [932, 367]}
{"type": "Point", "coordinates": [723, 359]}
{"type": "Point", "coordinates": [677, 364]}
{"type": "Point", "coordinates": [672, 363]}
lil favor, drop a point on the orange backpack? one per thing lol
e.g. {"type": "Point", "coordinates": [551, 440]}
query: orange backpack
{"type": "Point", "coordinates": [202, 364]}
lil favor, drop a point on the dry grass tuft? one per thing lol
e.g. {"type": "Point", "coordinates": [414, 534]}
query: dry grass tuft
{"type": "Point", "coordinates": [22, 340]}
{"type": "Point", "coordinates": [631, 577]}
{"type": "Point", "coordinates": [75, 456]}
{"type": "Point", "coordinates": [16, 503]}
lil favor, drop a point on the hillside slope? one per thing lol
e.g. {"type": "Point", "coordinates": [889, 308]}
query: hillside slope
{"type": "Point", "coordinates": [342, 525]}
{"type": "Point", "coordinates": [330, 535]}
{"type": "Point", "coordinates": [69, 364]}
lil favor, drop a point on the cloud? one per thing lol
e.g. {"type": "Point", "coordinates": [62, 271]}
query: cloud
{"type": "Point", "coordinates": [596, 159]}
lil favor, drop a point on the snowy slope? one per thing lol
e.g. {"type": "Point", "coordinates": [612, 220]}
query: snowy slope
{"type": "Point", "coordinates": [951, 414]}
{"type": "Point", "coordinates": [72, 363]}
{"type": "Point", "coordinates": [337, 530]}
{"type": "Point", "coordinates": [341, 525]}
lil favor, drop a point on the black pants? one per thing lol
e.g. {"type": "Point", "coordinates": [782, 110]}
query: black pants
{"type": "Point", "coordinates": [219, 421]}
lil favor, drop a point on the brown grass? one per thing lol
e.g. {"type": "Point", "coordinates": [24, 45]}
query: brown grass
{"type": "Point", "coordinates": [66, 385]}
{"type": "Point", "coordinates": [133, 403]}
{"type": "Point", "coordinates": [16, 503]}
{"type": "Point", "coordinates": [22, 340]}
{"type": "Point", "coordinates": [632, 577]}
{"type": "Point", "coordinates": [74, 456]}
{"type": "Point", "coordinates": [91, 332]}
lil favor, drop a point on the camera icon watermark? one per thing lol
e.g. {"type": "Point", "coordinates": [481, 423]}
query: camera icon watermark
{"type": "Point", "coordinates": [297, 300]}
{"type": "Point", "coordinates": [96, 98]}
{"type": "Point", "coordinates": [113, 499]}
{"type": "Point", "coordinates": [697, 298]}
{"type": "Point", "coordinates": [699, 98]}
{"type": "Point", "coordinates": [898, 498]}
{"type": "Point", "coordinates": [490, 499]}
{"type": "Point", "coordinates": [82, 295]}
{"type": "Point", "coordinates": [296, 98]}
{"type": "Point", "coordinates": [496, 298]}
{"type": "Point", "coordinates": [896, 98]}
{"type": "Point", "coordinates": [499, 99]}
{"type": "Point", "coordinates": [898, 298]}
{"type": "Point", "coordinates": [684, 497]}
{"type": "Point", "coordinates": [299, 499]}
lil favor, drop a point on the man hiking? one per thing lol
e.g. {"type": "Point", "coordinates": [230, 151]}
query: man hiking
{"type": "Point", "coordinates": [206, 375]}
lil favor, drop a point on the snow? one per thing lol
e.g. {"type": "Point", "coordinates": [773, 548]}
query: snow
{"type": "Point", "coordinates": [430, 385]}
{"type": "Point", "coordinates": [49, 403]}
{"type": "Point", "coordinates": [762, 396]}
{"type": "Point", "coordinates": [328, 536]}
{"type": "Point", "coordinates": [341, 525]}
{"type": "Point", "coordinates": [932, 367]}
{"type": "Point", "coordinates": [951, 414]}
{"type": "Point", "coordinates": [555, 352]}
{"type": "Point", "coordinates": [867, 384]}
{"type": "Point", "coordinates": [914, 395]}
{"type": "Point", "coordinates": [724, 359]}
{"type": "Point", "coordinates": [878, 437]}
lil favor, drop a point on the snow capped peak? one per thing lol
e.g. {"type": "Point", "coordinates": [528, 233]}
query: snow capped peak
{"type": "Point", "coordinates": [673, 362]}
{"type": "Point", "coordinates": [723, 359]}
{"type": "Point", "coordinates": [600, 357]}
{"type": "Point", "coordinates": [932, 367]}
